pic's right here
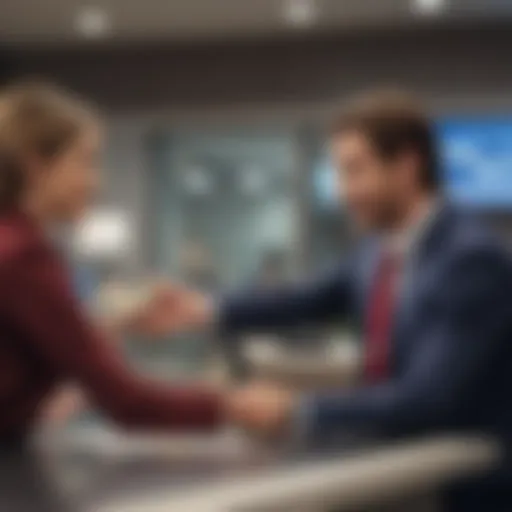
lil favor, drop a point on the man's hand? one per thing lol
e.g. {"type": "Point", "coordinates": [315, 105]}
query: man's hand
{"type": "Point", "coordinates": [171, 309]}
{"type": "Point", "coordinates": [262, 408]}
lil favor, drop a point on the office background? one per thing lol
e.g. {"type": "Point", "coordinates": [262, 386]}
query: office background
{"type": "Point", "coordinates": [216, 174]}
{"type": "Point", "coordinates": [280, 93]}
{"type": "Point", "coordinates": [215, 161]}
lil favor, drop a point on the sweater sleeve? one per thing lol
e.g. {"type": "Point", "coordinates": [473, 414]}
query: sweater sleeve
{"type": "Point", "coordinates": [37, 301]}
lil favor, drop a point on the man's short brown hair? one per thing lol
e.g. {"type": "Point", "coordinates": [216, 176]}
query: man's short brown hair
{"type": "Point", "coordinates": [394, 122]}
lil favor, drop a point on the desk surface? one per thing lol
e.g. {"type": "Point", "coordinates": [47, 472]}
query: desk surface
{"type": "Point", "coordinates": [94, 470]}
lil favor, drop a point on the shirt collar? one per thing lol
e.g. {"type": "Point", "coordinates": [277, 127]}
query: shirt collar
{"type": "Point", "coordinates": [405, 241]}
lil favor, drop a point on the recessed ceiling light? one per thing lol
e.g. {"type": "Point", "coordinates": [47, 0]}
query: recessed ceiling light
{"type": "Point", "coordinates": [300, 13]}
{"type": "Point", "coordinates": [428, 7]}
{"type": "Point", "coordinates": [93, 22]}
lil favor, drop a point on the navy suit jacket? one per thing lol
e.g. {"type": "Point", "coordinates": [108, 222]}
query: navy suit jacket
{"type": "Point", "coordinates": [451, 342]}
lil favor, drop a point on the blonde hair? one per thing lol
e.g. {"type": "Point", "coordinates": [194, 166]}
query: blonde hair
{"type": "Point", "coordinates": [37, 120]}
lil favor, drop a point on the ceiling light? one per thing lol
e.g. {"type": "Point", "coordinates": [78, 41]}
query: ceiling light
{"type": "Point", "coordinates": [300, 13]}
{"type": "Point", "coordinates": [92, 22]}
{"type": "Point", "coordinates": [428, 7]}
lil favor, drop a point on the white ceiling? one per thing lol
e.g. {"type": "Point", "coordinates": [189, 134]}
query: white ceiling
{"type": "Point", "coordinates": [55, 20]}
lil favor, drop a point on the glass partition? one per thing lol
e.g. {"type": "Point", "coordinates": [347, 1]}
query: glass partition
{"type": "Point", "coordinates": [225, 206]}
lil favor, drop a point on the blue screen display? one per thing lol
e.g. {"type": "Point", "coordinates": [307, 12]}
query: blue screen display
{"type": "Point", "coordinates": [477, 160]}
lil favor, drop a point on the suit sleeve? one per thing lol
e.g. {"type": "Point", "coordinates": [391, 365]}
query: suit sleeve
{"type": "Point", "coordinates": [307, 304]}
{"type": "Point", "coordinates": [469, 330]}
{"type": "Point", "coordinates": [37, 302]}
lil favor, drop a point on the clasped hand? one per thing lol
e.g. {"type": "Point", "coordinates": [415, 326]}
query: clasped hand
{"type": "Point", "coordinates": [168, 310]}
{"type": "Point", "coordinates": [261, 408]}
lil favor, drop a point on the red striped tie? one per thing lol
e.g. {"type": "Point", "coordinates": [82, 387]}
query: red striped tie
{"type": "Point", "coordinates": [379, 320]}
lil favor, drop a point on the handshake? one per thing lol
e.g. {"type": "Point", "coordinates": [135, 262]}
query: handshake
{"type": "Point", "coordinates": [262, 409]}
{"type": "Point", "coordinates": [170, 309]}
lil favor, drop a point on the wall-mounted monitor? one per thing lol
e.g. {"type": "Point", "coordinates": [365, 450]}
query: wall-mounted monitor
{"type": "Point", "coordinates": [477, 160]}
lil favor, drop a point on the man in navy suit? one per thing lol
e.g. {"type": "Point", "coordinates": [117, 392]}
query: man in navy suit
{"type": "Point", "coordinates": [430, 288]}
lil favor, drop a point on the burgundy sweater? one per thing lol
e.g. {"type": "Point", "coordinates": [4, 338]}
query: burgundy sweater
{"type": "Point", "coordinates": [46, 339]}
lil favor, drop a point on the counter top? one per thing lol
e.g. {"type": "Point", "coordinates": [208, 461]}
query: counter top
{"type": "Point", "coordinates": [97, 470]}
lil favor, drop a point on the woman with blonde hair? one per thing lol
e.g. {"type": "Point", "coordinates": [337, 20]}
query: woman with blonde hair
{"type": "Point", "coordinates": [49, 142]}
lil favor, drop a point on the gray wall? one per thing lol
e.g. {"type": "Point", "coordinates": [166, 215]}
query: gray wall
{"type": "Point", "coordinates": [463, 69]}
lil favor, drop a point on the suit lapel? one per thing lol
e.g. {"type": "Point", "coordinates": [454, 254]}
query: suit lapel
{"type": "Point", "coordinates": [411, 281]}
{"type": "Point", "coordinates": [406, 301]}
{"type": "Point", "coordinates": [368, 268]}
{"type": "Point", "coordinates": [416, 274]}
